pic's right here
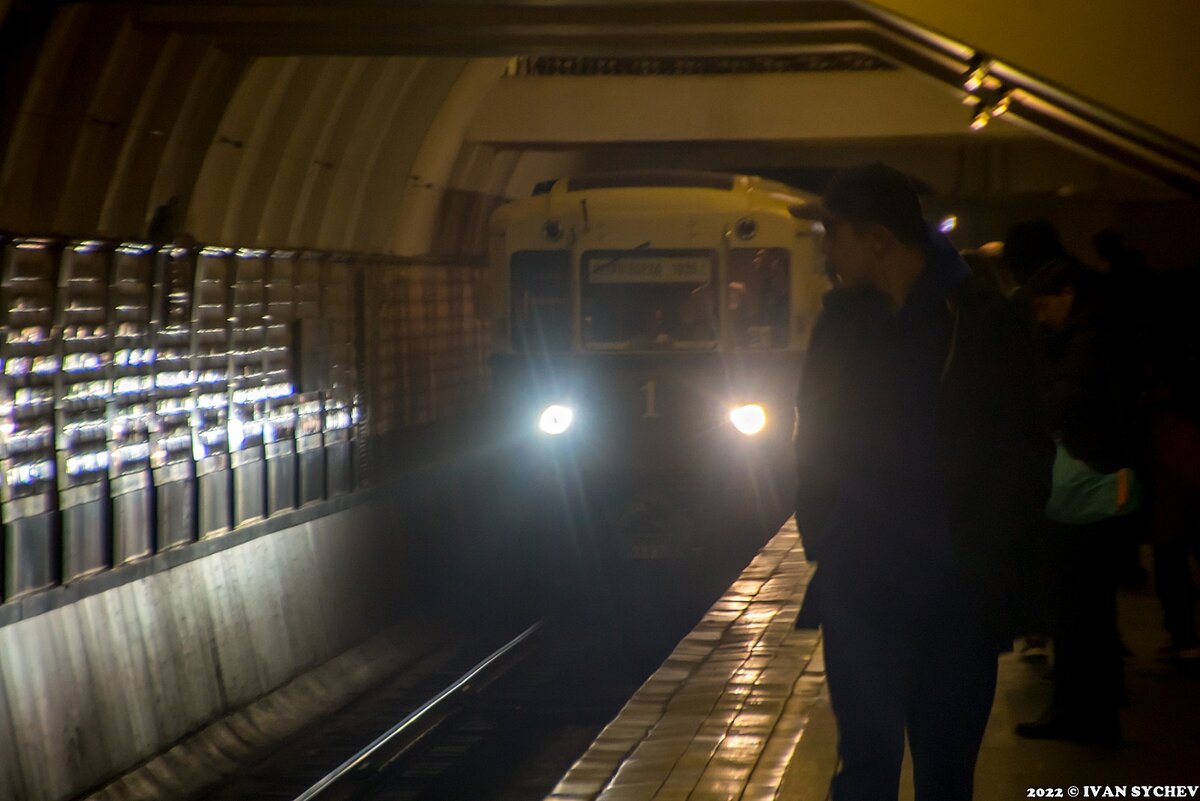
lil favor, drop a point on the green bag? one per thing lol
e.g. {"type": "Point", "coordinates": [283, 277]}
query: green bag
{"type": "Point", "coordinates": [1080, 495]}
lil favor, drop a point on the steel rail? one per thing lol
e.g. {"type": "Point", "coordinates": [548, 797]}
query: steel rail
{"type": "Point", "coordinates": [400, 738]}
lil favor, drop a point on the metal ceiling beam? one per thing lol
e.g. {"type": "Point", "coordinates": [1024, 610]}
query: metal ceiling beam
{"type": "Point", "coordinates": [670, 27]}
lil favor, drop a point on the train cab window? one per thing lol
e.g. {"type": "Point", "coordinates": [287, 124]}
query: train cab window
{"type": "Point", "coordinates": [647, 300]}
{"type": "Point", "coordinates": [758, 298]}
{"type": "Point", "coordinates": [541, 300]}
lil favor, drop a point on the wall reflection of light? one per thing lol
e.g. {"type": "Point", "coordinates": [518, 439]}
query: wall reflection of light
{"type": "Point", "coordinates": [29, 473]}
{"type": "Point", "coordinates": [237, 433]}
{"type": "Point", "coordinates": [83, 463]}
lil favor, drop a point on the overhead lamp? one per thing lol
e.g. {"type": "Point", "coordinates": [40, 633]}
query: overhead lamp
{"type": "Point", "coordinates": [975, 75]}
{"type": "Point", "coordinates": [1002, 104]}
{"type": "Point", "coordinates": [981, 119]}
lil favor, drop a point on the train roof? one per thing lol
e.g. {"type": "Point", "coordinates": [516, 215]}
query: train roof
{"type": "Point", "coordinates": [684, 189]}
{"type": "Point", "coordinates": [665, 179]}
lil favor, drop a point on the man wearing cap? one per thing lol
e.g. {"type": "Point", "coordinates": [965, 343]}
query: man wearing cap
{"type": "Point", "coordinates": [922, 460]}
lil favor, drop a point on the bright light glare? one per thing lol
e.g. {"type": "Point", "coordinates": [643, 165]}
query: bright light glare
{"type": "Point", "coordinates": [556, 419]}
{"type": "Point", "coordinates": [948, 224]}
{"type": "Point", "coordinates": [749, 419]}
{"type": "Point", "coordinates": [237, 432]}
{"type": "Point", "coordinates": [975, 79]}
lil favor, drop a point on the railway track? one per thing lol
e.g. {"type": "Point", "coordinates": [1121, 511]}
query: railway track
{"type": "Point", "coordinates": [353, 778]}
{"type": "Point", "coordinates": [493, 716]}
{"type": "Point", "coordinates": [456, 726]}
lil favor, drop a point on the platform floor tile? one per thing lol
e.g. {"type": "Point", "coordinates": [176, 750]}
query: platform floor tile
{"type": "Point", "coordinates": [740, 712]}
{"type": "Point", "coordinates": [727, 714]}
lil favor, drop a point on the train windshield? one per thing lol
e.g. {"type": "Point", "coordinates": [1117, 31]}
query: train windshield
{"type": "Point", "coordinates": [541, 300]}
{"type": "Point", "coordinates": [759, 298]}
{"type": "Point", "coordinates": [649, 300]}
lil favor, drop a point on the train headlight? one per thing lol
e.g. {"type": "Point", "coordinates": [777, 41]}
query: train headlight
{"type": "Point", "coordinates": [556, 419]}
{"type": "Point", "coordinates": [749, 419]}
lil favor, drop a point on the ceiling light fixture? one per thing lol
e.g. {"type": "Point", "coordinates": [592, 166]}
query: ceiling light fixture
{"type": "Point", "coordinates": [982, 117]}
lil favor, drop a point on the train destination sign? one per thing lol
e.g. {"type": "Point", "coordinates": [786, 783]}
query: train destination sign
{"type": "Point", "coordinates": [648, 269]}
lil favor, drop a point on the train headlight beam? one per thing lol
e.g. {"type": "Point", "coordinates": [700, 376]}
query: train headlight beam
{"type": "Point", "coordinates": [556, 419]}
{"type": "Point", "coordinates": [749, 419]}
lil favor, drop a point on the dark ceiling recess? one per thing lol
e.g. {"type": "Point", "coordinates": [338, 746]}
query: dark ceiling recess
{"type": "Point", "coordinates": [22, 30]}
{"type": "Point", "coordinates": [845, 61]}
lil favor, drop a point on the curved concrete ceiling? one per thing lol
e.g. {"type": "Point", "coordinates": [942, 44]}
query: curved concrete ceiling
{"type": "Point", "coordinates": [333, 125]}
{"type": "Point", "coordinates": [129, 132]}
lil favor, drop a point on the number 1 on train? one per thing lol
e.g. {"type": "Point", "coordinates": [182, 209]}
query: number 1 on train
{"type": "Point", "coordinates": [648, 388]}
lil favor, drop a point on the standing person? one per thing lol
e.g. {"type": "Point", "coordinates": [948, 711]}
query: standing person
{"type": "Point", "coordinates": [921, 460]}
{"type": "Point", "coordinates": [1173, 466]}
{"type": "Point", "coordinates": [1126, 282]}
{"type": "Point", "coordinates": [1089, 386]}
{"type": "Point", "coordinates": [1028, 246]}
{"type": "Point", "coordinates": [988, 265]}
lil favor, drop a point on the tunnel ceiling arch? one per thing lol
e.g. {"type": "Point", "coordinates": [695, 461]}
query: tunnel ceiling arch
{"type": "Point", "coordinates": [129, 131]}
{"type": "Point", "coordinates": [325, 124]}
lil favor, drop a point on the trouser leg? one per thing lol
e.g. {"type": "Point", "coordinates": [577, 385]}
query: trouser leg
{"type": "Point", "coordinates": [1087, 668]}
{"type": "Point", "coordinates": [949, 710]}
{"type": "Point", "coordinates": [1173, 583]}
{"type": "Point", "coordinates": [867, 687]}
{"type": "Point", "coordinates": [1127, 557]}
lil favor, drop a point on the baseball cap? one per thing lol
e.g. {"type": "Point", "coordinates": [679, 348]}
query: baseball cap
{"type": "Point", "coordinates": [870, 193]}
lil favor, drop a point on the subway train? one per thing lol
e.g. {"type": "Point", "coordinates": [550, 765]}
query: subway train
{"type": "Point", "coordinates": [648, 329]}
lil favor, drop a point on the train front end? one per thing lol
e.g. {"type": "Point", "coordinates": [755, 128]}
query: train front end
{"type": "Point", "coordinates": [647, 354]}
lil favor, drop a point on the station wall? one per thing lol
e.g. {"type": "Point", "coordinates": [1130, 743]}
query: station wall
{"type": "Point", "coordinates": [97, 686]}
{"type": "Point", "coordinates": [191, 434]}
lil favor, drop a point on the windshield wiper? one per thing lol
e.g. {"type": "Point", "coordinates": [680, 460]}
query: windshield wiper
{"type": "Point", "coordinates": [623, 255]}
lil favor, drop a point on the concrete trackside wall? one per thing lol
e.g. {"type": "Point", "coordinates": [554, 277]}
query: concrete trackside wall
{"type": "Point", "coordinates": [90, 689]}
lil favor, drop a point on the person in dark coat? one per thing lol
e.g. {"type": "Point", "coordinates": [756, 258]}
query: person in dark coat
{"type": "Point", "coordinates": [1173, 469]}
{"type": "Point", "coordinates": [1028, 246]}
{"type": "Point", "coordinates": [1089, 383]}
{"type": "Point", "coordinates": [922, 460]}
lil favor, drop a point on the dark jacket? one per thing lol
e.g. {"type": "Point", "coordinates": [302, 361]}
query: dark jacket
{"type": "Point", "coordinates": [1091, 381]}
{"type": "Point", "coordinates": [921, 454]}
